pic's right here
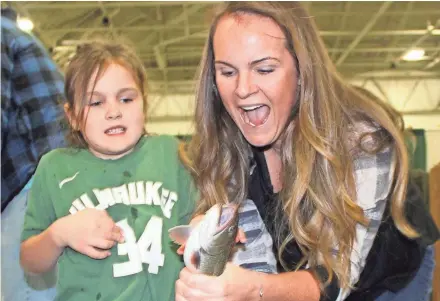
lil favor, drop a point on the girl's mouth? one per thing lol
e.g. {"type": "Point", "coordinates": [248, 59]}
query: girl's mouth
{"type": "Point", "coordinates": [116, 130]}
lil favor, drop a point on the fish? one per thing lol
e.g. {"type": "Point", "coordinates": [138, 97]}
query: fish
{"type": "Point", "coordinates": [208, 245]}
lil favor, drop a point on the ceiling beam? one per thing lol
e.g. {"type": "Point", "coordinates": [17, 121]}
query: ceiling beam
{"type": "Point", "coordinates": [106, 14]}
{"type": "Point", "coordinates": [160, 58]}
{"type": "Point", "coordinates": [92, 4]}
{"type": "Point", "coordinates": [363, 32]}
{"type": "Point", "coordinates": [324, 33]}
{"type": "Point", "coordinates": [23, 11]}
{"type": "Point", "coordinates": [131, 4]}
{"type": "Point", "coordinates": [184, 51]}
{"type": "Point", "coordinates": [401, 26]}
{"type": "Point", "coordinates": [187, 11]}
{"type": "Point", "coordinates": [427, 34]}
{"type": "Point", "coordinates": [342, 26]}
{"type": "Point", "coordinates": [434, 62]}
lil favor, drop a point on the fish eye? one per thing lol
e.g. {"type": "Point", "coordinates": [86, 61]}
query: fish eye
{"type": "Point", "coordinates": [231, 229]}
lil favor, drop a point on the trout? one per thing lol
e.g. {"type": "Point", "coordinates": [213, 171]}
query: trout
{"type": "Point", "coordinates": [209, 244]}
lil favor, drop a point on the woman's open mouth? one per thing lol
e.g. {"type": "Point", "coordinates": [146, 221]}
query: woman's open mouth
{"type": "Point", "coordinates": [255, 115]}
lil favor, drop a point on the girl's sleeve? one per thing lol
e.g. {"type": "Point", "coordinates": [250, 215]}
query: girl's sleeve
{"type": "Point", "coordinates": [373, 178]}
{"type": "Point", "coordinates": [189, 196]}
{"type": "Point", "coordinates": [40, 213]}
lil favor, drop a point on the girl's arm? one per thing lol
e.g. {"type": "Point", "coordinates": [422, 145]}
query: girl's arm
{"type": "Point", "coordinates": [39, 253]}
{"type": "Point", "coordinates": [90, 231]}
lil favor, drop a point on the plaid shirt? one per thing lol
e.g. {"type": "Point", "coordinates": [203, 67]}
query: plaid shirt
{"type": "Point", "coordinates": [31, 89]}
{"type": "Point", "coordinates": [373, 177]}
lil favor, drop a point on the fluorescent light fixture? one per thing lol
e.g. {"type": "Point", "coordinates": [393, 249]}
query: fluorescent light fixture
{"type": "Point", "coordinates": [414, 55]}
{"type": "Point", "coordinates": [25, 24]}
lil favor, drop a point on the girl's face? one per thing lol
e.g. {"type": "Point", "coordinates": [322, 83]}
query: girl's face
{"type": "Point", "coordinates": [115, 114]}
{"type": "Point", "coordinates": [255, 76]}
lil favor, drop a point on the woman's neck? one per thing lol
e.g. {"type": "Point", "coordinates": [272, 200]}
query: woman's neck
{"type": "Point", "coordinates": [273, 161]}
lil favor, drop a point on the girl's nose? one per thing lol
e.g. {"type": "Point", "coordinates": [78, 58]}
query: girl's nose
{"type": "Point", "coordinates": [113, 112]}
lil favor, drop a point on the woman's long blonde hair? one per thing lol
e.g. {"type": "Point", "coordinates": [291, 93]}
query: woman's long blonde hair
{"type": "Point", "coordinates": [318, 197]}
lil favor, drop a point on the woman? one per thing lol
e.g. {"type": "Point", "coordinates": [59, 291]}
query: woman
{"type": "Point", "coordinates": [323, 164]}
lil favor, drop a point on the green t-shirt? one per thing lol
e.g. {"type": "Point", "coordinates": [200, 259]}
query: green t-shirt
{"type": "Point", "coordinates": [146, 192]}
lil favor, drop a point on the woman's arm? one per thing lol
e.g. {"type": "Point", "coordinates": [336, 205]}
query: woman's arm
{"type": "Point", "coordinates": [239, 284]}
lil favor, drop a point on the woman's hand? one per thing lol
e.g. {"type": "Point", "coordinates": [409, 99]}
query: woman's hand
{"type": "Point", "coordinates": [241, 237]}
{"type": "Point", "coordinates": [91, 232]}
{"type": "Point", "coordinates": [235, 284]}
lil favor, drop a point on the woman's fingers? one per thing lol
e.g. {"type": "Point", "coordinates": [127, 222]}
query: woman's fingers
{"type": "Point", "coordinates": [181, 249]}
{"type": "Point", "coordinates": [196, 220]}
{"type": "Point", "coordinates": [189, 289]}
{"type": "Point", "coordinates": [241, 237]}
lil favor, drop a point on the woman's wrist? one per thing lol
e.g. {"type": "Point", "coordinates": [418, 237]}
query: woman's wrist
{"type": "Point", "coordinates": [258, 287]}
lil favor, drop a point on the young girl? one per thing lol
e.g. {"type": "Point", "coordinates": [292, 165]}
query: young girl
{"type": "Point", "coordinates": [103, 207]}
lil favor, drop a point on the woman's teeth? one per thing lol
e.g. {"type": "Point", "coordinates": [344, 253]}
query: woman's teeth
{"type": "Point", "coordinates": [251, 108]}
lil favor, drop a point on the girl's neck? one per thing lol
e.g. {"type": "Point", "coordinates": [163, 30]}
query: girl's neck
{"type": "Point", "coordinates": [273, 161]}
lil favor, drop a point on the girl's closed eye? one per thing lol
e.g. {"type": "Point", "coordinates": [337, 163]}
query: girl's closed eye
{"type": "Point", "coordinates": [95, 103]}
{"type": "Point", "coordinates": [126, 99]}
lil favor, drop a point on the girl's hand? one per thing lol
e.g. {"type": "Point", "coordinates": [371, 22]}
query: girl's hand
{"type": "Point", "coordinates": [241, 237]}
{"type": "Point", "coordinates": [91, 232]}
{"type": "Point", "coordinates": [235, 284]}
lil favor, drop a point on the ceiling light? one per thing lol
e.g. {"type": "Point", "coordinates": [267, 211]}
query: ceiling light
{"type": "Point", "coordinates": [25, 24]}
{"type": "Point", "coordinates": [414, 55]}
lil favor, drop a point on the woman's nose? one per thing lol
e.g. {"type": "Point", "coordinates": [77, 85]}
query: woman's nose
{"type": "Point", "coordinates": [245, 86]}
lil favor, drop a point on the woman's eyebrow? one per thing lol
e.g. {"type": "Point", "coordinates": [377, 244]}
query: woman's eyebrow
{"type": "Point", "coordinates": [255, 62]}
{"type": "Point", "coordinates": [224, 63]}
{"type": "Point", "coordinates": [264, 59]}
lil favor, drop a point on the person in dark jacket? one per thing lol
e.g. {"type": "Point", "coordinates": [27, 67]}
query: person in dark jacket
{"type": "Point", "coordinates": [32, 89]}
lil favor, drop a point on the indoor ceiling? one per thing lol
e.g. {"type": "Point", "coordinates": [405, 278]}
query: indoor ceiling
{"type": "Point", "coordinates": [365, 39]}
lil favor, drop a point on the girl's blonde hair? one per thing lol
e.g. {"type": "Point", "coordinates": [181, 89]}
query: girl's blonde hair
{"type": "Point", "coordinates": [91, 57]}
{"type": "Point", "coordinates": [318, 198]}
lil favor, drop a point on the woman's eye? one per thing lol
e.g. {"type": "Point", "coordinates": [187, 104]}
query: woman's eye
{"type": "Point", "coordinates": [265, 70]}
{"type": "Point", "coordinates": [227, 73]}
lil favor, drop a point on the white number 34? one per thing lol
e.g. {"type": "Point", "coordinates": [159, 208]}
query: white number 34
{"type": "Point", "coordinates": [147, 250]}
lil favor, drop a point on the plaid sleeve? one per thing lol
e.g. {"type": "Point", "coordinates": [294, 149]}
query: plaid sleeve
{"type": "Point", "coordinates": [39, 91]}
{"type": "Point", "coordinates": [374, 177]}
{"type": "Point", "coordinates": [32, 92]}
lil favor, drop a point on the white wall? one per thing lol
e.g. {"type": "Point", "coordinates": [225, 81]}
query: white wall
{"type": "Point", "coordinates": [171, 127]}
{"type": "Point", "coordinates": [432, 148]}
{"type": "Point", "coordinates": [412, 96]}
{"type": "Point", "coordinates": [431, 125]}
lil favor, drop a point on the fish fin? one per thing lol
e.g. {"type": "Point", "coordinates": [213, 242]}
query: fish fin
{"type": "Point", "coordinates": [180, 234]}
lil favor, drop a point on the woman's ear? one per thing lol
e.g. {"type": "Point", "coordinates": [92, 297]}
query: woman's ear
{"type": "Point", "coordinates": [70, 117]}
